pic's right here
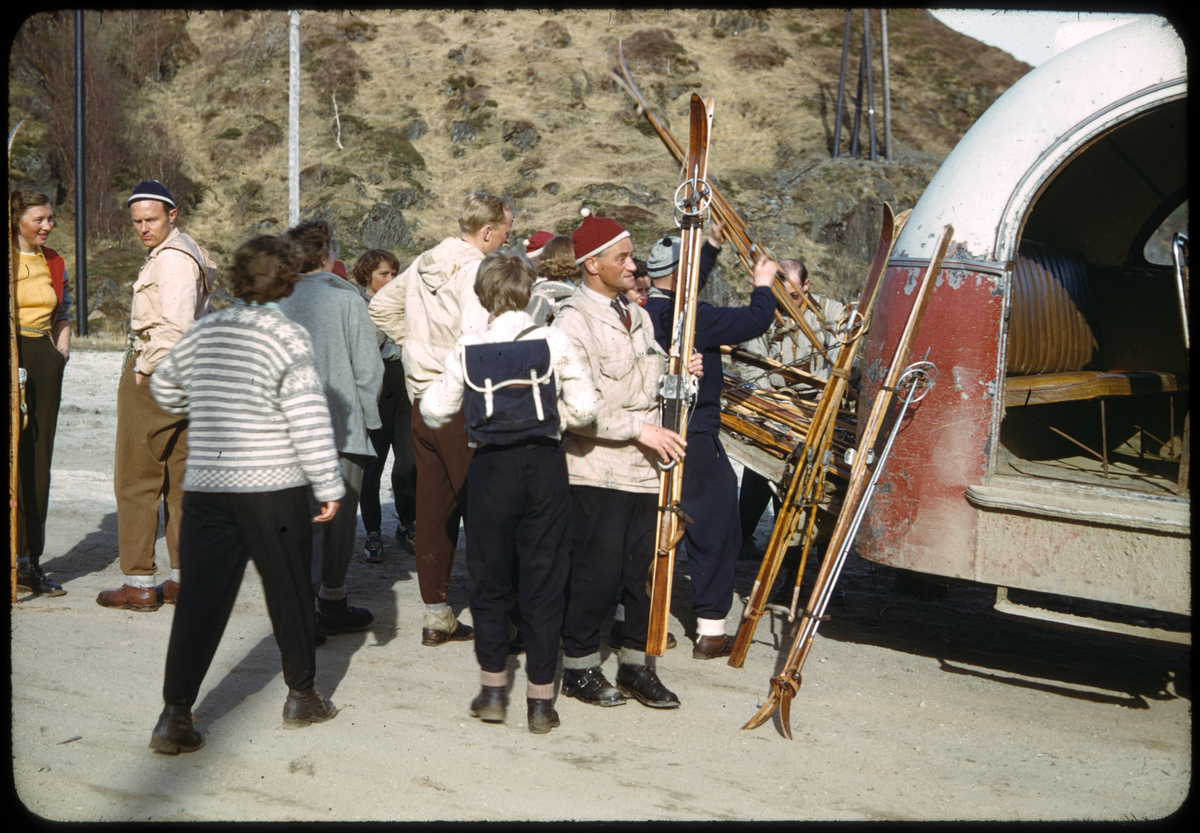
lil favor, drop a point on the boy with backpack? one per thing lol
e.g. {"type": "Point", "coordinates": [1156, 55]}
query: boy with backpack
{"type": "Point", "coordinates": [521, 386]}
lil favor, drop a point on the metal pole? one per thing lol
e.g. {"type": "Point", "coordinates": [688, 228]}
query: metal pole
{"type": "Point", "coordinates": [837, 127]}
{"type": "Point", "coordinates": [870, 80]}
{"type": "Point", "coordinates": [81, 304]}
{"type": "Point", "coordinates": [887, 89]}
{"type": "Point", "coordinates": [294, 120]}
{"type": "Point", "coordinates": [857, 108]}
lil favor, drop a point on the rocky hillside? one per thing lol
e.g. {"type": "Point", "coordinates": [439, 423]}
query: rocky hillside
{"type": "Point", "coordinates": [404, 112]}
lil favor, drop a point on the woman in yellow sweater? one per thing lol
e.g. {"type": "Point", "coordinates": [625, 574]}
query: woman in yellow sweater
{"type": "Point", "coordinates": [43, 345]}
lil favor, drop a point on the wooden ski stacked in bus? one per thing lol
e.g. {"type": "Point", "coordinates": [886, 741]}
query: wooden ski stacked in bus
{"type": "Point", "coordinates": [677, 389]}
{"type": "Point", "coordinates": [785, 685]}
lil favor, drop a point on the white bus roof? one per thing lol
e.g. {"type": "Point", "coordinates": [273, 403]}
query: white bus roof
{"type": "Point", "coordinates": [989, 179]}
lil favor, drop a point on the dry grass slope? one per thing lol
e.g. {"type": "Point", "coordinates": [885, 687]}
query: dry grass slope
{"type": "Point", "coordinates": [433, 104]}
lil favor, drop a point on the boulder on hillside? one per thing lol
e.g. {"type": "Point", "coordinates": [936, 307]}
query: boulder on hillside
{"type": "Point", "coordinates": [384, 228]}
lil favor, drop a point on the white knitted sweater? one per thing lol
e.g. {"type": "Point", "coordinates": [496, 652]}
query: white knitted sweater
{"type": "Point", "coordinates": [257, 416]}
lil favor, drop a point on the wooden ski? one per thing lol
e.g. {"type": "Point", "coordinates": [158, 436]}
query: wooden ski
{"type": "Point", "coordinates": [744, 240]}
{"type": "Point", "coordinates": [14, 389]}
{"type": "Point", "coordinates": [785, 685]}
{"type": "Point", "coordinates": [677, 389]}
{"type": "Point", "coordinates": [807, 483]}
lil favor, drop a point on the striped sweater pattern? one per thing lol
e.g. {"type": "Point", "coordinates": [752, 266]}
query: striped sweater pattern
{"type": "Point", "coordinates": [257, 416]}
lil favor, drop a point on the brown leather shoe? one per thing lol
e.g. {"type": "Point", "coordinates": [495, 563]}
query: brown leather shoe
{"type": "Point", "coordinates": [167, 592]}
{"type": "Point", "coordinates": [713, 647]}
{"type": "Point", "coordinates": [129, 598]}
{"type": "Point", "coordinates": [432, 638]}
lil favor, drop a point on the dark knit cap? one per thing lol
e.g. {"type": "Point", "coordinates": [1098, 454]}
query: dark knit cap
{"type": "Point", "coordinates": [664, 258]}
{"type": "Point", "coordinates": [594, 235]}
{"type": "Point", "coordinates": [151, 189]}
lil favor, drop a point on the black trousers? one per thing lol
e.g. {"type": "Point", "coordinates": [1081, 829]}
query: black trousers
{"type": "Point", "coordinates": [520, 523]}
{"type": "Point", "coordinates": [43, 392]}
{"type": "Point", "coordinates": [612, 547]}
{"type": "Point", "coordinates": [220, 532]}
{"type": "Point", "coordinates": [395, 412]}
{"type": "Point", "coordinates": [752, 501]}
{"type": "Point", "coordinates": [714, 538]}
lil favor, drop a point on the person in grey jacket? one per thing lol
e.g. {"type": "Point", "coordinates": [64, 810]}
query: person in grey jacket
{"type": "Point", "coordinates": [351, 370]}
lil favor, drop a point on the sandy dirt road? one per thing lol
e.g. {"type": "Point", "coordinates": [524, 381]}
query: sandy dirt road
{"type": "Point", "coordinates": [911, 708]}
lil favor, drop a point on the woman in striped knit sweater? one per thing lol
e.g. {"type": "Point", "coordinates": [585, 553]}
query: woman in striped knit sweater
{"type": "Point", "coordinates": [259, 438]}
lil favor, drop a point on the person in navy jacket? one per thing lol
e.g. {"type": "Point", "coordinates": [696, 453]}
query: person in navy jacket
{"type": "Point", "coordinates": [714, 537]}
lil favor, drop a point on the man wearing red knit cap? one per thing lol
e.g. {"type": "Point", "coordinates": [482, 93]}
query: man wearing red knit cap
{"type": "Point", "coordinates": [611, 465]}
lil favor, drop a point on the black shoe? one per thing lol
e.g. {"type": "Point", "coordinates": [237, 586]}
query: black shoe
{"type": "Point", "coordinates": [305, 707]}
{"type": "Point", "coordinates": [541, 716]}
{"type": "Point", "coordinates": [641, 683]}
{"type": "Point", "coordinates": [590, 686]}
{"type": "Point", "coordinates": [491, 705]}
{"type": "Point", "coordinates": [338, 617]}
{"type": "Point", "coordinates": [175, 732]}
{"type": "Point", "coordinates": [31, 577]}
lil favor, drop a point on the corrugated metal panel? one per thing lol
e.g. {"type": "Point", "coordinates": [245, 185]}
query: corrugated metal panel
{"type": "Point", "coordinates": [1048, 331]}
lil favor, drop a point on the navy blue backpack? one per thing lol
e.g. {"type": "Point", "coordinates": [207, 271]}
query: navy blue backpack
{"type": "Point", "coordinates": [510, 394]}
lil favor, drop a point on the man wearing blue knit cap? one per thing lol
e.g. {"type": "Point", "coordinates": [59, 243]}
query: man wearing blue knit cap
{"type": "Point", "coordinates": [170, 293]}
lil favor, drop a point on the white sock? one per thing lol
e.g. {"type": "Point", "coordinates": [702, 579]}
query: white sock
{"type": "Point", "coordinates": [710, 627]}
{"type": "Point", "coordinates": [332, 594]}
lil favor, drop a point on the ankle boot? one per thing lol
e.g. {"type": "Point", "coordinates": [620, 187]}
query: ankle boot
{"type": "Point", "coordinates": [491, 705]}
{"type": "Point", "coordinates": [304, 707]}
{"type": "Point", "coordinates": [541, 715]}
{"type": "Point", "coordinates": [175, 732]}
{"type": "Point", "coordinates": [31, 577]}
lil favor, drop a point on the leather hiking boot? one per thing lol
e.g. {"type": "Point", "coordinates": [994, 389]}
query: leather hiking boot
{"type": "Point", "coordinates": [641, 683]}
{"type": "Point", "coordinates": [125, 597]}
{"type": "Point", "coordinates": [712, 647]}
{"type": "Point", "coordinates": [491, 704]}
{"type": "Point", "coordinates": [175, 732]}
{"type": "Point", "coordinates": [305, 707]}
{"type": "Point", "coordinates": [373, 552]}
{"type": "Point", "coordinates": [167, 593]}
{"type": "Point", "coordinates": [590, 686]}
{"type": "Point", "coordinates": [541, 716]}
{"type": "Point", "coordinates": [337, 616]}
{"type": "Point", "coordinates": [31, 577]}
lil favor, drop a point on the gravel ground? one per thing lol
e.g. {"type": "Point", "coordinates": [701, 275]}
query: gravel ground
{"type": "Point", "coordinates": [913, 706]}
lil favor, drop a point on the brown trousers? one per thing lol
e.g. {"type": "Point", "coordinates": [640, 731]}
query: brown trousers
{"type": "Point", "coordinates": [147, 470]}
{"type": "Point", "coordinates": [442, 459]}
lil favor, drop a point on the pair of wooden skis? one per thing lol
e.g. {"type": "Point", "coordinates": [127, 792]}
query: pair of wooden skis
{"type": "Point", "coordinates": [677, 389]}
{"type": "Point", "coordinates": [813, 459]}
{"type": "Point", "coordinates": [914, 381]}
